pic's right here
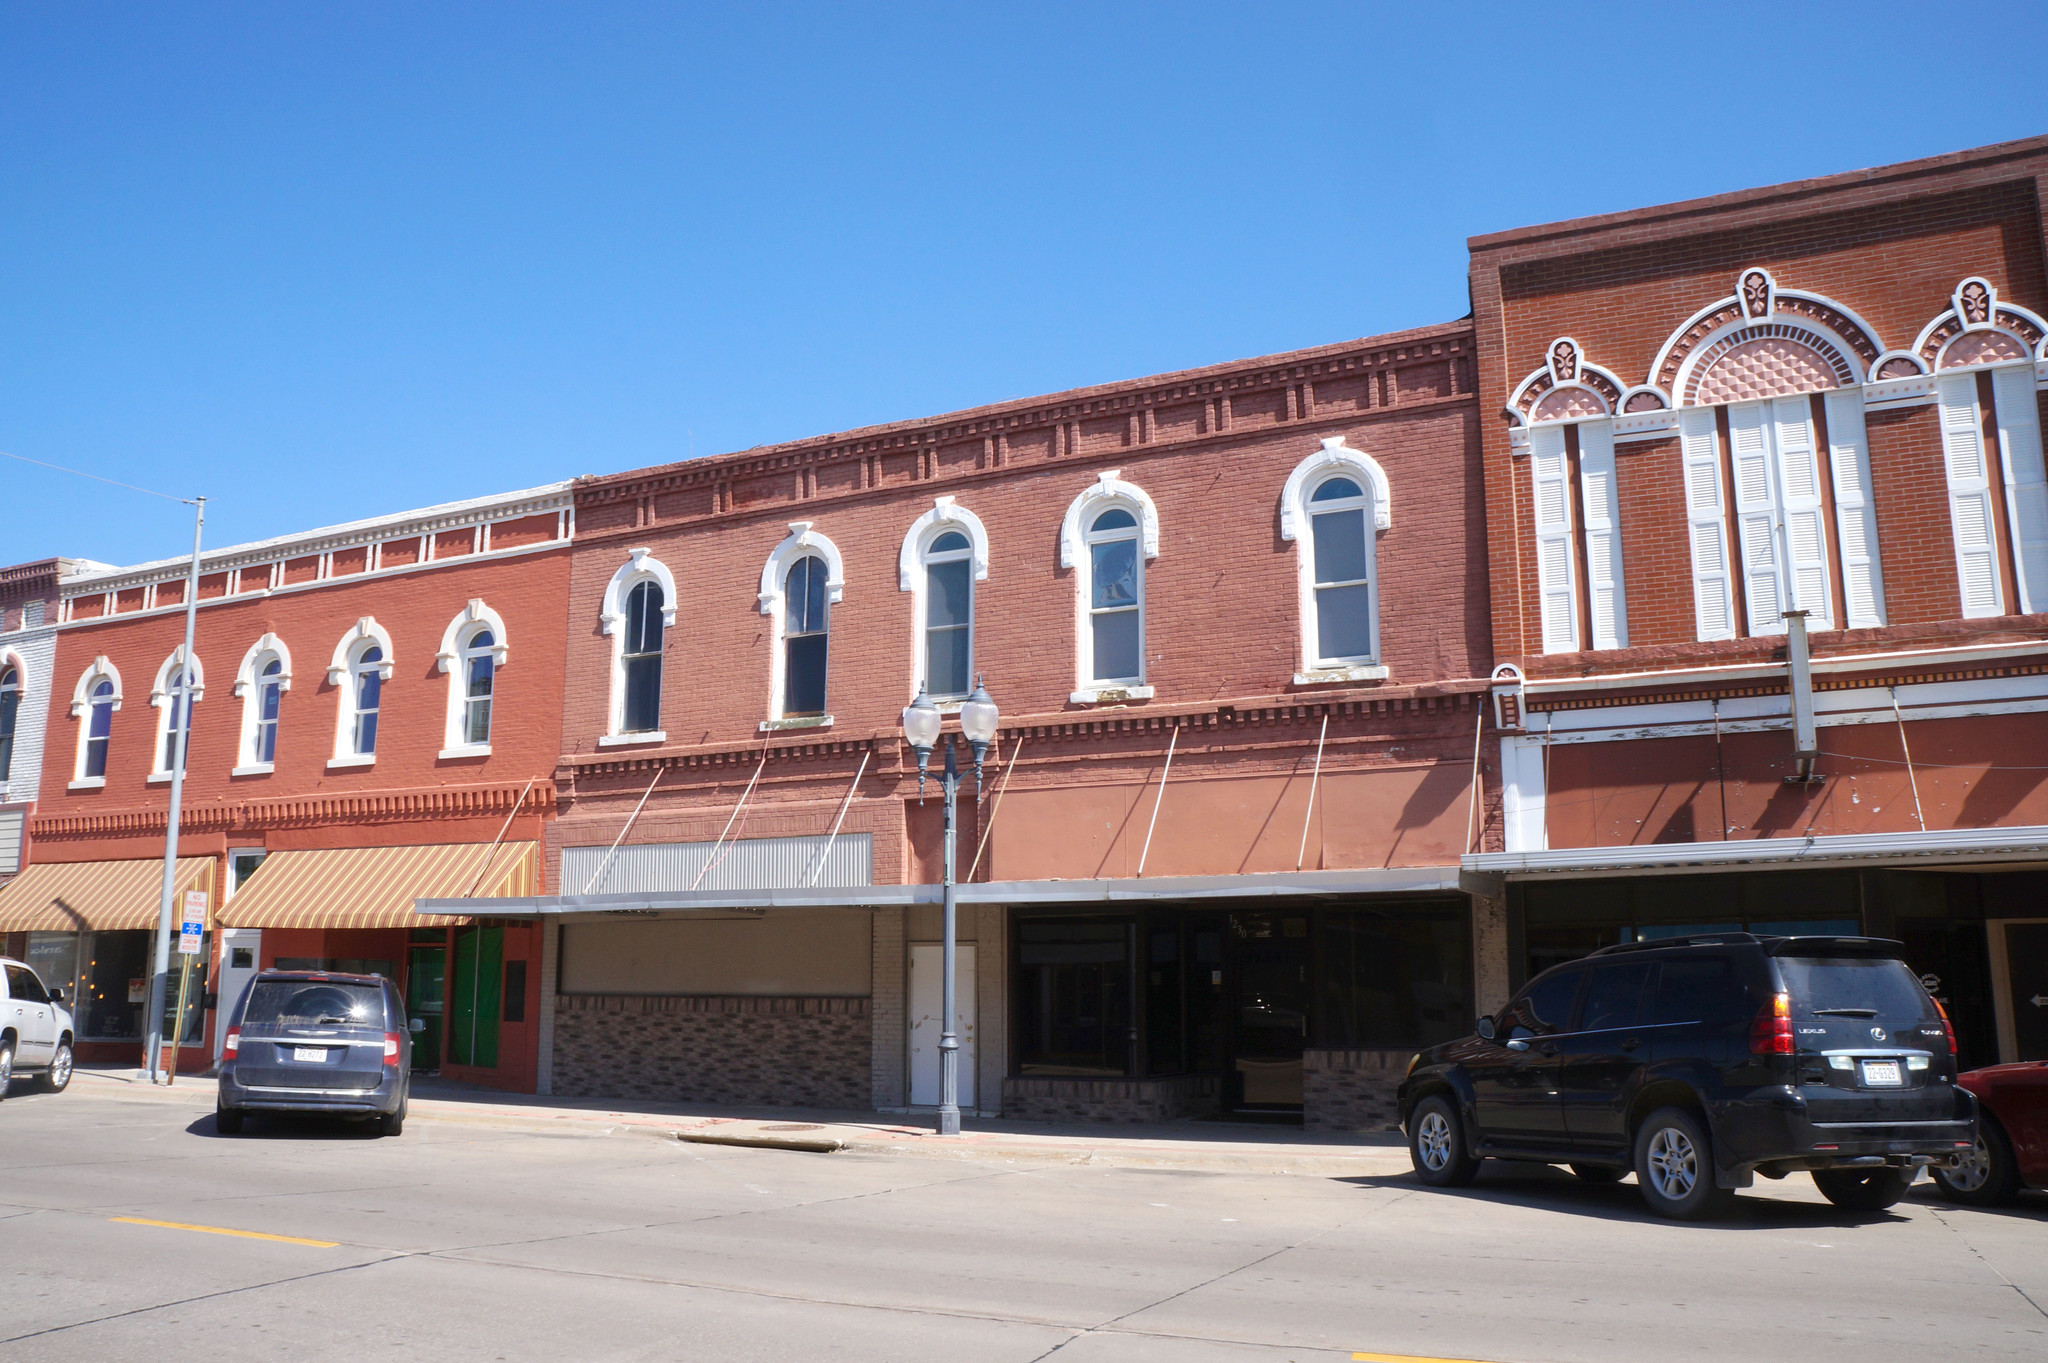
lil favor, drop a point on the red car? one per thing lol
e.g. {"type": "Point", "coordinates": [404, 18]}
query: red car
{"type": "Point", "coordinates": [2012, 1139]}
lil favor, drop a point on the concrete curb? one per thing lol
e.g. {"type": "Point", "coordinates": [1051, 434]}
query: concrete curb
{"type": "Point", "coordinates": [824, 1146]}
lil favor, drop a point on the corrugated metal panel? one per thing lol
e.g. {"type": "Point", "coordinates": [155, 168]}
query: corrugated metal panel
{"type": "Point", "coordinates": [743, 864]}
{"type": "Point", "coordinates": [10, 841]}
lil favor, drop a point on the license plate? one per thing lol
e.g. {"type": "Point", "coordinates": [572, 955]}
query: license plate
{"type": "Point", "coordinates": [1882, 1074]}
{"type": "Point", "coordinates": [318, 1056]}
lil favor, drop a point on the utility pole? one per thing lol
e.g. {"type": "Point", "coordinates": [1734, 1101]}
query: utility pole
{"type": "Point", "coordinates": [181, 700]}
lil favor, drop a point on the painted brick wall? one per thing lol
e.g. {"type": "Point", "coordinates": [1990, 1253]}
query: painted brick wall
{"type": "Point", "coordinates": [35, 651]}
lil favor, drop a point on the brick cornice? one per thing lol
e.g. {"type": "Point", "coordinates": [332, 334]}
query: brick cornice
{"type": "Point", "coordinates": [387, 806]}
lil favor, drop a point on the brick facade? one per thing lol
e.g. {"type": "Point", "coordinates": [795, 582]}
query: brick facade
{"type": "Point", "coordinates": [1352, 1090]}
{"type": "Point", "coordinates": [1109, 1100]}
{"type": "Point", "coordinates": [781, 1052]}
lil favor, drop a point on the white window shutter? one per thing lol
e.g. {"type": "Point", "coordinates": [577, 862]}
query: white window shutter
{"type": "Point", "coordinates": [1969, 496]}
{"type": "Point", "coordinates": [2026, 483]}
{"type": "Point", "coordinates": [1713, 590]}
{"type": "Point", "coordinates": [1550, 476]}
{"type": "Point", "coordinates": [1756, 513]}
{"type": "Point", "coordinates": [1801, 512]}
{"type": "Point", "coordinates": [1855, 509]}
{"type": "Point", "coordinates": [1603, 535]}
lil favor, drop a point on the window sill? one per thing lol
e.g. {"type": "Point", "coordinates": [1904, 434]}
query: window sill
{"type": "Point", "coordinates": [466, 750]}
{"type": "Point", "coordinates": [254, 769]}
{"type": "Point", "coordinates": [628, 740]}
{"type": "Point", "coordinates": [88, 783]}
{"type": "Point", "coordinates": [358, 760]}
{"type": "Point", "coordinates": [158, 778]}
{"type": "Point", "coordinates": [1110, 695]}
{"type": "Point", "coordinates": [1343, 672]}
{"type": "Point", "coordinates": [799, 722]}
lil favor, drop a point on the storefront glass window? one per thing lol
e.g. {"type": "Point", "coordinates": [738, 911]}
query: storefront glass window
{"type": "Point", "coordinates": [1394, 977]}
{"type": "Point", "coordinates": [1074, 996]}
{"type": "Point", "coordinates": [55, 959]}
{"type": "Point", "coordinates": [117, 987]}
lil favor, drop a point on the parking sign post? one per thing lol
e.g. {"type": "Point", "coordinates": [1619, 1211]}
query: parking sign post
{"type": "Point", "coordinates": [191, 940]}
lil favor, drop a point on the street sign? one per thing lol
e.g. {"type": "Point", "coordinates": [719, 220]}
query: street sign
{"type": "Point", "coordinates": [188, 937]}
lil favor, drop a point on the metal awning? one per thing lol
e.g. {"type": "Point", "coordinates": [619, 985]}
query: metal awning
{"type": "Point", "coordinates": [1943, 847]}
{"type": "Point", "coordinates": [374, 887]}
{"type": "Point", "coordinates": [1152, 889]}
{"type": "Point", "coordinates": [97, 896]}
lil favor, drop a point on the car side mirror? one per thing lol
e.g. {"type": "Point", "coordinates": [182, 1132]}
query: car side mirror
{"type": "Point", "coordinates": [1485, 1029]}
{"type": "Point", "coordinates": [57, 997]}
{"type": "Point", "coordinates": [417, 1025]}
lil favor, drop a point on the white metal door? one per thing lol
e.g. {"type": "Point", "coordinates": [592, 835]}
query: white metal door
{"type": "Point", "coordinates": [927, 961]}
{"type": "Point", "coordinates": [241, 952]}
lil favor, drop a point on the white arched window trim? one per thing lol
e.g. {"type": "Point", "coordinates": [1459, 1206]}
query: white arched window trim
{"type": "Point", "coordinates": [1335, 458]}
{"type": "Point", "coordinates": [945, 515]}
{"type": "Point", "coordinates": [365, 632]}
{"type": "Point", "coordinates": [454, 644]}
{"type": "Point", "coordinates": [640, 566]}
{"type": "Point", "coordinates": [102, 669]}
{"type": "Point", "coordinates": [9, 658]}
{"type": "Point", "coordinates": [801, 542]}
{"type": "Point", "coordinates": [248, 686]}
{"type": "Point", "coordinates": [1108, 490]}
{"type": "Point", "coordinates": [160, 697]}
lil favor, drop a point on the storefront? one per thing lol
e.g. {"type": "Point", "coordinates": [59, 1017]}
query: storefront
{"type": "Point", "coordinates": [87, 928]}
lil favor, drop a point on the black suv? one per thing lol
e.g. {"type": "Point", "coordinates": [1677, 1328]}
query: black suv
{"type": "Point", "coordinates": [1699, 1062]}
{"type": "Point", "coordinates": [316, 1041]}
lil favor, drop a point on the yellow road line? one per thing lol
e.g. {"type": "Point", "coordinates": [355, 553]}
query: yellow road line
{"type": "Point", "coordinates": [1408, 1358]}
{"type": "Point", "coordinates": [245, 1234]}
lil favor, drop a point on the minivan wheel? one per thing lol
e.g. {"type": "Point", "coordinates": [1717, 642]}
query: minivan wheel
{"type": "Point", "coordinates": [391, 1123]}
{"type": "Point", "coordinates": [1863, 1190]}
{"type": "Point", "coordinates": [227, 1121]}
{"type": "Point", "coordinates": [1675, 1167]}
{"type": "Point", "coordinates": [1437, 1145]}
{"type": "Point", "coordinates": [58, 1077]}
{"type": "Point", "coordinates": [1599, 1173]}
{"type": "Point", "coordinates": [1988, 1175]}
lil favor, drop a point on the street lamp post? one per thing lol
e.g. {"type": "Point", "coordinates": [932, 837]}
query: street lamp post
{"type": "Point", "coordinates": [921, 721]}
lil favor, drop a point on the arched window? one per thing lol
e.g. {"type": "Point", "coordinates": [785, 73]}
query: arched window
{"type": "Point", "coordinates": [265, 675]}
{"type": "Point", "coordinates": [93, 703]}
{"type": "Point", "coordinates": [472, 650]}
{"type": "Point", "coordinates": [1116, 599]}
{"type": "Point", "coordinates": [478, 667]}
{"type": "Point", "coordinates": [640, 659]}
{"type": "Point", "coordinates": [179, 684]}
{"type": "Point", "coordinates": [10, 705]}
{"type": "Point", "coordinates": [949, 616]}
{"type": "Point", "coordinates": [363, 661]}
{"type": "Point", "coordinates": [269, 689]}
{"type": "Point", "coordinates": [805, 631]}
{"type": "Point", "coordinates": [365, 699]}
{"type": "Point", "coordinates": [177, 725]}
{"type": "Point", "coordinates": [1342, 564]}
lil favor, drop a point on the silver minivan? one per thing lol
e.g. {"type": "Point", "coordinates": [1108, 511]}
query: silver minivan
{"type": "Point", "coordinates": [314, 1041]}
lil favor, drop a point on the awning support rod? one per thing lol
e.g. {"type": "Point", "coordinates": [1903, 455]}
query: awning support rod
{"type": "Point", "coordinates": [1472, 803]}
{"type": "Point", "coordinates": [1918, 813]}
{"type": "Point", "coordinates": [715, 857]}
{"type": "Point", "coordinates": [612, 851]}
{"type": "Point", "coordinates": [997, 807]}
{"type": "Point", "coordinates": [844, 805]}
{"type": "Point", "coordinates": [1159, 800]}
{"type": "Point", "coordinates": [492, 850]}
{"type": "Point", "coordinates": [1301, 852]}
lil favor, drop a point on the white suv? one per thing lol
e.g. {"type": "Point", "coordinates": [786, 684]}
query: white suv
{"type": "Point", "coordinates": [35, 1029]}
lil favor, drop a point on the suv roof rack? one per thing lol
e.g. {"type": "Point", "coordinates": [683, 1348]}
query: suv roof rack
{"type": "Point", "coordinates": [1707, 939]}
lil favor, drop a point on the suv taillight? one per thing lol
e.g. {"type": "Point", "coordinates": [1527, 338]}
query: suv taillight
{"type": "Point", "coordinates": [1946, 1026]}
{"type": "Point", "coordinates": [391, 1048]}
{"type": "Point", "coordinates": [231, 1044]}
{"type": "Point", "coordinates": [1771, 1033]}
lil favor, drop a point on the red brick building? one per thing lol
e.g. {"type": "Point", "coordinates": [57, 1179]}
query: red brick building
{"type": "Point", "coordinates": [1820, 397]}
{"type": "Point", "coordinates": [375, 716]}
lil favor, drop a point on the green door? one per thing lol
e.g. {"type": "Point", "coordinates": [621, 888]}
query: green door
{"type": "Point", "coordinates": [479, 997]}
{"type": "Point", "coordinates": [425, 977]}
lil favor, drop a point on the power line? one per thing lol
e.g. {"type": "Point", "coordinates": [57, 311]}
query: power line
{"type": "Point", "coordinates": [96, 478]}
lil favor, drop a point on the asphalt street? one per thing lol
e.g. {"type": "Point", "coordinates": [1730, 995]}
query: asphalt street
{"type": "Point", "coordinates": [130, 1229]}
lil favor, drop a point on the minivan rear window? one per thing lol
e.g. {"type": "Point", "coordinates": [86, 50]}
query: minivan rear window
{"type": "Point", "coordinates": [313, 1003]}
{"type": "Point", "coordinates": [1819, 983]}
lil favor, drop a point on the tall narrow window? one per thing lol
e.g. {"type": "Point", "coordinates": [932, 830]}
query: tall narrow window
{"type": "Point", "coordinates": [269, 691]}
{"type": "Point", "coordinates": [1343, 571]}
{"type": "Point", "coordinates": [479, 672]}
{"type": "Point", "coordinates": [10, 705]}
{"type": "Point", "coordinates": [94, 702]}
{"type": "Point", "coordinates": [177, 722]}
{"type": "Point", "coordinates": [641, 659]}
{"type": "Point", "coordinates": [805, 630]}
{"type": "Point", "coordinates": [1116, 597]}
{"type": "Point", "coordinates": [366, 687]}
{"type": "Point", "coordinates": [949, 615]}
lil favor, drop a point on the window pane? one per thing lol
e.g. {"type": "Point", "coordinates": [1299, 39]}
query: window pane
{"type": "Point", "coordinates": [482, 639]}
{"type": "Point", "coordinates": [643, 694]}
{"type": "Point", "coordinates": [266, 741]}
{"type": "Point", "coordinates": [814, 595]}
{"type": "Point", "coordinates": [96, 752]}
{"type": "Point", "coordinates": [1073, 997]}
{"type": "Point", "coordinates": [271, 693]}
{"type": "Point", "coordinates": [366, 733]}
{"type": "Point", "coordinates": [643, 619]}
{"type": "Point", "coordinates": [1340, 546]}
{"type": "Point", "coordinates": [947, 663]}
{"type": "Point", "coordinates": [803, 691]}
{"type": "Point", "coordinates": [1116, 646]}
{"type": "Point", "coordinates": [949, 594]}
{"type": "Point", "coordinates": [1614, 998]}
{"type": "Point", "coordinates": [1344, 621]}
{"type": "Point", "coordinates": [1397, 978]}
{"type": "Point", "coordinates": [1335, 488]}
{"type": "Point", "coordinates": [102, 712]}
{"type": "Point", "coordinates": [477, 721]}
{"type": "Point", "coordinates": [369, 687]}
{"type": "Point", "coordinates": [950, 542]}
{"type": "Point", "coordinates": [372, 654]}
{"type": "Point", "coordinates": [1115, 579]}
{"type": "Point", "coordinates": [480, 672]}
{"type": "Point", "coordinates": [1113, 519]}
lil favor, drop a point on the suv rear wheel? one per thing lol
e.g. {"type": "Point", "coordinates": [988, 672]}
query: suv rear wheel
{"type": "Point", "coordinates": [1863, 1190]}
{"type": "Point", "coordinates": [1675, 1167]}
{"type": "Point", "coordinates": [1437, 1145]}
{"type": "Point", "coordinates": [1988, 1175]}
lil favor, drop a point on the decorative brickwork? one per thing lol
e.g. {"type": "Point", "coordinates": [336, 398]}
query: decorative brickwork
{"type": "Point", "coordinates": [1109, 1100]}
{"type": "Point", "coordinates": [1351, 1090]}
{"type": "Point", "coordinates": [777, 1052]}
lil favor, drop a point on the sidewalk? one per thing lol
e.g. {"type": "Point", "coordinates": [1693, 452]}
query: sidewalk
{"type": "Point", "coordinates": [1189, 1145]}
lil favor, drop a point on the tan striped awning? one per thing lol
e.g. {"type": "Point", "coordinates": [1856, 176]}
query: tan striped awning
{"type": "Point", "coordinates": [97, 896]}
{"type": "Point", "coordinates": [374, 887]}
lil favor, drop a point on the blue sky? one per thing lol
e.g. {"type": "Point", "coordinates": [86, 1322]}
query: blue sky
{"type": "Point", "coordinates": [324, 261]}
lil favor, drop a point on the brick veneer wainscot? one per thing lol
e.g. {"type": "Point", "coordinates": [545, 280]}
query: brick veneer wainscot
{"type": "Point", "coordinates": [1109, 1100]}
{"type": "Point", "coordinates": [777, 1052]}
{"type": "Point", "coordinates": [1351, 1090]}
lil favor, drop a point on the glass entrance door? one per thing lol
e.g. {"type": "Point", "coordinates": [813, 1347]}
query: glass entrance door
{"type": "Point", "coordinates": [425, 986]}
{"type": "Point", "coordinates": [1269, 985]}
